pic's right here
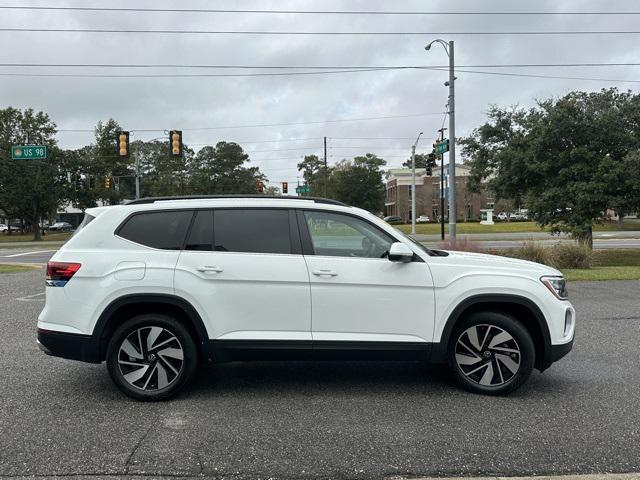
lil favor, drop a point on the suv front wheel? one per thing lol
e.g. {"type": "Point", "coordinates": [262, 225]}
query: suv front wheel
{"type": "Point", "coordinates": [151, 357]}
{"type": "Point", "coordinates": [491, 353]}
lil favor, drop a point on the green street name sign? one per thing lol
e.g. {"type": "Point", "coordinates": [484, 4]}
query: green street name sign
{"type": "Point", "coordinates": [31, 152]}
{"type": "Point", "coordinates": [303, 190]}
{"type": "Point", "coordinates": [442, 147]}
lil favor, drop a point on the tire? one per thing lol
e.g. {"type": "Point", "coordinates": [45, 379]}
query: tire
{"type": "Point", "coordinates": [491, 353]}
{"type": "Point", "coordinates": [155, 373]}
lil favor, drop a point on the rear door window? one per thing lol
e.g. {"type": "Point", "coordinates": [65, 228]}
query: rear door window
{"type": "Point", "coordinates": [201, 234]}
{"type": "Point", "coordinates": [258, 230]}
{"type": "Point", "coordinates": [165, 230]}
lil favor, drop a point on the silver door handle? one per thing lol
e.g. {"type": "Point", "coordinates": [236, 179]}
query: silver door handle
{"type": "Point", "coordinates": [209, 269]}
{"type": "Point", "coordinates": [329, 273]}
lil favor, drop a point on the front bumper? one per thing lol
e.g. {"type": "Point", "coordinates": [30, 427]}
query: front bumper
{"type": "Point", "coordinates": [68, 345]}
{"type": "Point", "coordinates": [559, 351]}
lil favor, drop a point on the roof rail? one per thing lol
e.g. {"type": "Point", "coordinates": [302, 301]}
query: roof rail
{"type": "Point", "coordinates": [141, 201]}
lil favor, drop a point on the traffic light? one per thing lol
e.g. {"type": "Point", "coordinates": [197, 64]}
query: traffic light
{"type": "Point", "coordinates": [107, 183]}
{"type": "Point", "coordinates": [285, 188]}
{"type": "Point", "coordinates": [175, 139]}
{"type": "Point", "coordinates": [123, 144]}
{"type": "Point", "coordinates": [260, 186]}
{"type": "Point", "coordinates": [431, 161]}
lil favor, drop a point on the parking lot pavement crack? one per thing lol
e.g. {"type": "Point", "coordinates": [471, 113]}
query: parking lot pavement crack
{"type": "Point", "coordinates": [127, 464]}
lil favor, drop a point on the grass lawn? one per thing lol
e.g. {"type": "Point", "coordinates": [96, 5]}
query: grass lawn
{"type": "Point", "coordinates": [607, 264]}
{"type": "Point", "coordinates": [15, 268]}
{"type": "Point", "coordinates": [508, 227]}
{"type": "Point", "coordinates": [603, 273]}
{"type": "Point", "coordinates": [28, 237]}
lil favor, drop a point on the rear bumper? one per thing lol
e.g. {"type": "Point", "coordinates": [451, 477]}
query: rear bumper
{"type": "Point", "coordinates": [68, 345]}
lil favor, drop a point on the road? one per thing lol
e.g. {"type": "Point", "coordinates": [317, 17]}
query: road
{"type": "Point", "coordinates": [42, 256]}
{"type": "Point", "coordinates": [325, 420]}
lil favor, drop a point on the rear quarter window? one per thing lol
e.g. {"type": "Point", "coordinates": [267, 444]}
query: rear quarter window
{"type": "Point", "coordinates": [165, 230]}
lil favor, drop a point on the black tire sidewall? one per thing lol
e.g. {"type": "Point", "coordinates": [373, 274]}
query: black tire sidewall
{"type": "Point", "coordinates": [189, 365]}
{"type": "Point", "coordinates": [516, 329]}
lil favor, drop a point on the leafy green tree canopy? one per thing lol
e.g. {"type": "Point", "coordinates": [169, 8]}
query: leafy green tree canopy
{"type": "Point", "coordinates": [566, 158]}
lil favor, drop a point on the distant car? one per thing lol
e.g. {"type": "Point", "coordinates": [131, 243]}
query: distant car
{"type": "Point", "coordinates": [423, 219]}
{"type": "Point", "coordinates": [3, 227]}
{"type": "Point", "coordinates": [502, 216]}
{"type": "Point", "coordinates": [61, 227]}
{"type": "Point", "coordinates": [393, 219]}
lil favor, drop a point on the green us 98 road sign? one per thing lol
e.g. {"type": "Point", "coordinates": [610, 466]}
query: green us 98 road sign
{"type": "Point", "coordinates": [31, 152]}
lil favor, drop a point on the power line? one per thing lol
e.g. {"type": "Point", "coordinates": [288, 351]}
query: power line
{"type": "Point", "coordinates": [313, 67]}
{"type": "Point", "coordinates": [556, 77]}
{"type": "Point", "coordinates": [343, 33]}
{"type": "Point", "coordinates": [206, 75]}
{"type": "Point", "coordinates": [318, 122]}
{"type": "Point", "coordinates": [304, 12]}
{"type": "Point", "coordinates": [186, 75]}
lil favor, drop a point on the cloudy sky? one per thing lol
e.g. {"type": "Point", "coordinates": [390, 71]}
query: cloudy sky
{"type": "Point", "coordinates": [209, 109]}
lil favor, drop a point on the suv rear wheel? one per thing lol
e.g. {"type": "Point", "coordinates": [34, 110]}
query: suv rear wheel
{"type": "Point", "coordinates": [151, 357]}
{"type": "Point", "coordinates": [491, 353]}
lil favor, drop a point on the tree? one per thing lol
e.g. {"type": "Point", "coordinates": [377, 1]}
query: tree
{"type": "Point", "coordinates": [221, 170]}
{"type": "Point", "coordinates": [29, 189]}
{"type": "Point", "coordinates": [316, 176]}
{"type": "Point", "coordinates": [422, 161]}
{"type": "Point", "coordinates": [567, 158]}
{"type": "Point", "coordinates": [358, 182]}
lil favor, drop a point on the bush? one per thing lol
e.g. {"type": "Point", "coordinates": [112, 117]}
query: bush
{"type": "Point", "coordinates": [462, 245]}
{"type": "Point", "coordinates": [532, 251]}
{"type": "Point", "coordinates": [561, 255]}
{"type": "Point", "coordinates": [571, 255]}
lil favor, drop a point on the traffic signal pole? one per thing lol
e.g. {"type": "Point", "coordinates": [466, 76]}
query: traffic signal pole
{"type": "Point", "coordinates": [413, 185]}
{"type": "Point", "coordinates": [442, 187]}
{"type": "Point", "coordinates": [137, 158]}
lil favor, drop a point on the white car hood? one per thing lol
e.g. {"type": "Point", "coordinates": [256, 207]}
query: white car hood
{"type": "Point", "coordinates": [496, 261]}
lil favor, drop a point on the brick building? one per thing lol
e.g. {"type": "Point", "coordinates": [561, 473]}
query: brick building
{"type": "Point", "coordinates": [398, 196]}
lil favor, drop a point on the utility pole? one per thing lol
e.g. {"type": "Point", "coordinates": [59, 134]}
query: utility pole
{"type": "Point", "coordinates": [452, 146]}
{"type": "Point", "coordinates": [442, 187]}
{"type": "Point", "coordinates": [326, 173]}
{"type": "Point", "coordinates": [413, 185]}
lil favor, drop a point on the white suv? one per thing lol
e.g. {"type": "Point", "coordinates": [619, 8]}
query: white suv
{"type": "Point", "coordinates": [157, 286]}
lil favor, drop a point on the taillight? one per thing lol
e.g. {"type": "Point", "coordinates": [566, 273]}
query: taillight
{"type": "Point", "coordinates": [59, 273]}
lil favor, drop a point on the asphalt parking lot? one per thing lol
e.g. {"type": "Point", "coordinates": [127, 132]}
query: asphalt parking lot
{"type": "Point", "coordinates": [314, 420]}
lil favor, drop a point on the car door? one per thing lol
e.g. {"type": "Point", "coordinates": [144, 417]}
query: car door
{"type": "Point", "coordinates": [359, 295]}
{"type": "Point", "coordinates": [242, 268]}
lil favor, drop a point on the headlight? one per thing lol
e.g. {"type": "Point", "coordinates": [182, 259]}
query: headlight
{"type": "Point", "coordinates": [557, 285]}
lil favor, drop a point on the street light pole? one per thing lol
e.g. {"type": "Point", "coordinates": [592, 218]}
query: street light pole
{"type": "Point", "coordinates": [413, 185]}
{"type": "Point", "coordinates": [449, 49]}
{"type": "Point", "coordinates": [452, 147]}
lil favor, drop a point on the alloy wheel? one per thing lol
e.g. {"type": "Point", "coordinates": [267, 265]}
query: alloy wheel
{"type": "Point", "coordinates": [150, 358]}
{"type": "Point", "coordinates": [487, 355]}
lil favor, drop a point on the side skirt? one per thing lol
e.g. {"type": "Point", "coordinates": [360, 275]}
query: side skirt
{"type": "Point", "coordinates": [269, 350]}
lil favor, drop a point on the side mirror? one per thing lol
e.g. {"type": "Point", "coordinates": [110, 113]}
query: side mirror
{"type": "Point", "coordinates": [399, 252]}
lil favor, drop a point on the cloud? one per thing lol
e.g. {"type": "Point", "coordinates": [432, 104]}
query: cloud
{"type": "Point", "coordinates": [183, 103]}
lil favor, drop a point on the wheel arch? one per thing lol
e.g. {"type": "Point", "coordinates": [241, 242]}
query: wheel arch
{"type": "Point", "coordinates": [522, 308]}
{"type": "Point", "coordinates": [127, 306]}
